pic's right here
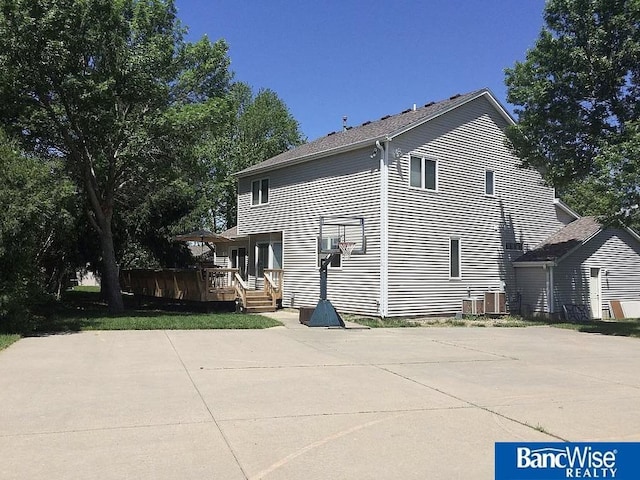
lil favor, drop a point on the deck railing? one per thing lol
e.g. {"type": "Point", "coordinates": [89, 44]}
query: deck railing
{"type": "Point", "coordinates": [200, 285]}
{"type": "Point", "coordinates": [219, 277]}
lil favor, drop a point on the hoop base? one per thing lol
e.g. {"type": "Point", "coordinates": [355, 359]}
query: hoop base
{"type": "Point", "coordinates": [325, 315]}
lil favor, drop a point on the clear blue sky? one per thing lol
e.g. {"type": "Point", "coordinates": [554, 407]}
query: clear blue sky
{"type": "Point", "coordinates": [366, 58]}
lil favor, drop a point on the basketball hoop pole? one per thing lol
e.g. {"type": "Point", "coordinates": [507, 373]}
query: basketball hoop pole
{"type": "Point", "coordinates": [338, 236]}
{"type": "Point", "coordinates": [324, 269]}
{"type": "Point", "coordinates": [325, 314]}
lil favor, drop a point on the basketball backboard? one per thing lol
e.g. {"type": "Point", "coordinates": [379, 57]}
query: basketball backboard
{"type": "Point", "coordinates": [335, 230]}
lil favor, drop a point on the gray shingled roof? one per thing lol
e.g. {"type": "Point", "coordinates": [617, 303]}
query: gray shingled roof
{"type": "Point", "coordinates": [368, 132]}
{"type": "Point", "coordinates": [563, 241]}
{"type": "Point", "coordinates": [232, 234]}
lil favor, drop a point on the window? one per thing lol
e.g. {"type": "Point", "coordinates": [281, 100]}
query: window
{"type": "Point", "coordinates": [454, 258]}
{"type": "Point", "coordinates": [489, 182]}
{"type": "Point", "coordinates": [424, 173]}
{"type": "Point", "coordinates": [262, 258]}
{"type": "Point", "coordinates": [327, 244]}
{"type": "Point", "coordinates": [260, 191]}
{"type": "Point", "coordinates": [514, 246]}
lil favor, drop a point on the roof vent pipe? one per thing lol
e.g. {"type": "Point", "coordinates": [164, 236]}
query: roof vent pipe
{"type": "Point", "coordinates": [344, 123]}
{"type": "Point", "coordinates": [414, 107]}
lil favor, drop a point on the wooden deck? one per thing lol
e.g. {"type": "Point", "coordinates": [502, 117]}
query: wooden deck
{"type": "Point", "coordinates": [200, 285]}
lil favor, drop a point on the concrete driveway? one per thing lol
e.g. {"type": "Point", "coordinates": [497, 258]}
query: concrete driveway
{"type": "Point", "coordinates": [299, 403]}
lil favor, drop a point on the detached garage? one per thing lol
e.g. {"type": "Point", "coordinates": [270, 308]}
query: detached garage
{"type": "Point", "coordinates": [583, 271]}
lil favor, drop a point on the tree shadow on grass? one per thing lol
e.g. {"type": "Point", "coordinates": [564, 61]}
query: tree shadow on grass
{"type": "Point", "coordinates": [623, 328]}
{"type": "Point", "coordinates": [628, 327]}
{"type": "Point", "coordinates": [81, 310]}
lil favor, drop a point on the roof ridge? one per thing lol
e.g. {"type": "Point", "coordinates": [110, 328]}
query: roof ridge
{"type": "Point", "coordinates": [430, 103]}
{"type": "Point", "coordinates": [369, 131]}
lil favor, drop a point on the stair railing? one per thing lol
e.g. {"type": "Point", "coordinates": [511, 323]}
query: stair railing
{"type": "Point", "coordinates": [270, 288]}
{"type": "Point", "coordinates": [241, 289]}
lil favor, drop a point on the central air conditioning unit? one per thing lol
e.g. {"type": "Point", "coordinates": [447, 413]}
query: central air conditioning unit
{"type": "Point", "coordinates": [472, 306]}
{"type": "Point", "coordinates": [495, 303]}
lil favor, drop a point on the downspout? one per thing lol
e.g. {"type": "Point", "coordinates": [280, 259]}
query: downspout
{"type": "Point", "coordinates": [551, 295]}
{"type": "Point", "coordinates": [384, 228]}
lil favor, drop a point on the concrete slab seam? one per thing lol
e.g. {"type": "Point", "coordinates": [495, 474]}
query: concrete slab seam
{"type": "Point", "coordinates": [400, 411]}
{"type": "Point", "coordinates": [224, 437]}
{"type": "Point", "coordinates": [451, 344]}
{"type": "Point", "coordinates": [101, 429]}
{"type": "Point", "coordinates": [593, 377]}
{"type": "Point", "coordinates": [472, 404]}
{"type": "Point", "coordinates": [363, 364]}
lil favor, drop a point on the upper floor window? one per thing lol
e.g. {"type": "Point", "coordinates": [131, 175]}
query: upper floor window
{"type": "Point", "coordinates": [489, 182]}
{"type": "Point", "coordinates": [260, 191]}
{"type": "Point", "coordinates": [424, 173]}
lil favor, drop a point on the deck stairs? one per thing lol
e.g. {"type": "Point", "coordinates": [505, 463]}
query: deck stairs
{"type": "Point", "coordinates": [258, 301]}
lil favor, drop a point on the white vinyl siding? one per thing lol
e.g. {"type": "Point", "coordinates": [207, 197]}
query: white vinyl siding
{"type": "Point", "coordinates": [347, 184]}
{"type": "Point", "coordinates": [424, 173]}
{"type": "Point", "coordinates": [466, 142]}
{"type": "Point", "coordinates": [532, 286]}
{"type": "Point", "coordinates": [616, 253]}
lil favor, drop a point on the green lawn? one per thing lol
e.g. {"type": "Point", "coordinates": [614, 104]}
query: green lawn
{"type": "Point", "coordinates": [155, 320]}
{"type": "Point", "coordinates": [81, 309]}
{"type": "Point", "coordinates": [7, 339]}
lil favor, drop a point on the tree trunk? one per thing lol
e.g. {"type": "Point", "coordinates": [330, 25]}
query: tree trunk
{"type": "Point", "coordinates": [110, 285]}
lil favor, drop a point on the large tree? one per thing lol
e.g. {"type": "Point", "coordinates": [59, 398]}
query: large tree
{"type": "Point", "coordinates": [112, 89]}
{"type": "Point", "coordinates": [577, 98]}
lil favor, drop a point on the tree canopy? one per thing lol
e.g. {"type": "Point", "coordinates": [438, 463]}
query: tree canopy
{"type": "Point", "coordinates": [260, 127]}
{"type": "Point", "coordinates": [108, 97]}
{"type": "Point", "coordinates": [111, 89]}
{"type": "Point", "coordinates": [577, 97]}
{"type": "Point", "coordinates": [36, 232]}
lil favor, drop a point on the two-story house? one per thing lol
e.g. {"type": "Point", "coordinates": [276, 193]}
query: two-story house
{"type": "Point", "coordinates": [447, 210]}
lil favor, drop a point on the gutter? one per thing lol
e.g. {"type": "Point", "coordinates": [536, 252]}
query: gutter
{"type": "Point", "coordinates": [309, 157]}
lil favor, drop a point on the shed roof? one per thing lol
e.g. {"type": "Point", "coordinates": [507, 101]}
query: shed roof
{"type": "Point", "coordinates": [563, 241]}
{"type": "Point", "coordinates": [356, 137]}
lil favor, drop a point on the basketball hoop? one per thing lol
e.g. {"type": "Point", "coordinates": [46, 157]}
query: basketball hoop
{"type": "Point", "coordinates": [346, 248]}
